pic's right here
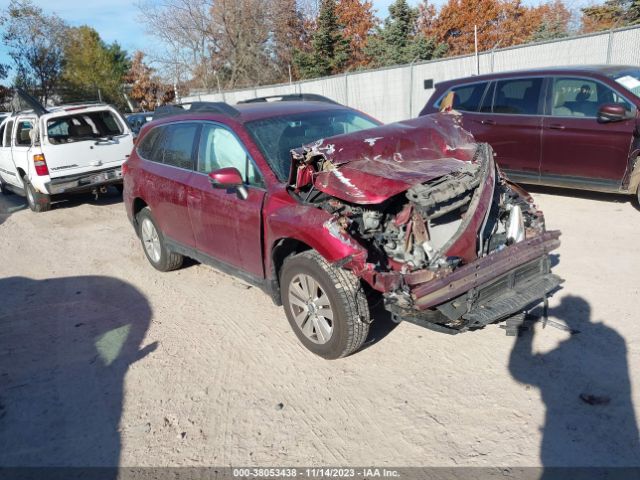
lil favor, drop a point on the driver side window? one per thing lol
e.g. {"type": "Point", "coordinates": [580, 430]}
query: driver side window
{"type": "Point", "coordinates": [219, 148]}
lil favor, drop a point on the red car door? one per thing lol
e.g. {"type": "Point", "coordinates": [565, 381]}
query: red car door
{"type": "Point", "coordinates": [167, 153]}
{"type": "Point", "coordinates": [576, 147]}
{"type": "Point", "coordinates": [227, 227]}
{"type": "Point", "coordinates": [510, 121]}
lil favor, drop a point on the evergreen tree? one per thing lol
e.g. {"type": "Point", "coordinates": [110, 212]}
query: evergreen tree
{"type": "Point", "coordinates": [400, 41]}
{"type": "Point", "coordinates": [329, 49]}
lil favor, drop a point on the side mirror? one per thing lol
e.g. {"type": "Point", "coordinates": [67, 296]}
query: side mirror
{"type": "Point", "coordinates": [229, 178]}
{"type": "Point", "coordinates": [612, 112]}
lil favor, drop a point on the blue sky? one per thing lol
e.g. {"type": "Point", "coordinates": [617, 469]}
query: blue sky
{"type": "Point", "coordinates": [117, 19]}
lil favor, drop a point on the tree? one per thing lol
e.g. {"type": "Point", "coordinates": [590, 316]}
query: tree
{"type": "Point", "coordinates": [241, 29]}
{"type": "Point", "coordinates": [92, 69]}
{"type": "Point", "coordinates": [144, 87]}
{"type": "Point", "coordinates": [554, 20]}
{"type": "Point", "coordinates": [358, 21]}
{"type": "Point", "coordinates": [186, 40]}
{"type": "Point", "coordinates": [610, 14]}
{"type": "Point", "coordinates": [400, 40]}
{"type": "Point", "coordinates": [499, 22]}
{"type": "Point", "coordinates": [34, 41]}
{"type": "Point", "coordinates": [329, 49]}
{"type": "Point", "coordinates": [289, 34]}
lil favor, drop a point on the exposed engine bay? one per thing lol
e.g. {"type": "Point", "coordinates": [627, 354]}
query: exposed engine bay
{"type": "Point", "coordinates": [423, 216]}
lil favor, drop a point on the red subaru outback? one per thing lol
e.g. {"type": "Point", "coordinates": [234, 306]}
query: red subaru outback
{"type": "Point", "coordinates": [323, 207]}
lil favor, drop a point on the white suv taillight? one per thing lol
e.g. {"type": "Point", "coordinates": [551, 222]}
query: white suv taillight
{"type": "Point", "coordinates": [41, 165]}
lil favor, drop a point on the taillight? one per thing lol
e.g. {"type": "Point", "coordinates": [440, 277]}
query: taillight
{"type": "Point", "coordinates": [125, 168]}
{"type": "Point", "coordinates": [41, 165]}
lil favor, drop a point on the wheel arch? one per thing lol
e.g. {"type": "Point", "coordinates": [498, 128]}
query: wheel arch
{"type": "Point", "coordinates": [136, 207]}
{"type": "Point", "coordinates": [280, 250]}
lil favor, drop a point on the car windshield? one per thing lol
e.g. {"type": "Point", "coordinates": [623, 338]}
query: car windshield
{"type": "Point", "coordinates": [277, 136]}
{"type": "Point", "coordinates": [629, 79]}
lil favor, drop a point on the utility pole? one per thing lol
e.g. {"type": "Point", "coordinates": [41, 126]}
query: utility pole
{"type": "Point", "coordinates": [475, 38]}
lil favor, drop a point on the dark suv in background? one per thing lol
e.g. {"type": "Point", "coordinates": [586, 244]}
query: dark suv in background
{"type": "Point", "coordinates": [574, 127]}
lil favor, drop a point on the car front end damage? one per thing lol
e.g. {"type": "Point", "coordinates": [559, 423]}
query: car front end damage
{"type": "Point", "coordinates": [434, 225]}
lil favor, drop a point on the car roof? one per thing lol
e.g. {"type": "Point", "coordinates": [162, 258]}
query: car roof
{"type": "Point", "coordinates": [605, 70]}
{"type": "Point", "coordinates": [66, 110]}
{"type": "Point", "coordinates": [248, 112]}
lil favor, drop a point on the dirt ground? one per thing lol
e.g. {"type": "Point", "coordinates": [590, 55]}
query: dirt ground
{"type": "Point", "coordinates": [105, 361]}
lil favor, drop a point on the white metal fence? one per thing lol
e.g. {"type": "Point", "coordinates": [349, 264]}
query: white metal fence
{"type": "Point", "coordinates": [396, 93]}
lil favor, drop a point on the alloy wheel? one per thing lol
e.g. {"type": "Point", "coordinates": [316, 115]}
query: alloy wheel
{"type": "Point", "coordinates": [150, 240]}
{"type": "Point", "coordinates": [311, 308]}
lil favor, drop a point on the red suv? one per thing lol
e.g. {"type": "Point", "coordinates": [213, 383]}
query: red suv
{"type": "Point", "coordinates": [574, 127]}
{"type": "Point", "coordinates": [325, 210]}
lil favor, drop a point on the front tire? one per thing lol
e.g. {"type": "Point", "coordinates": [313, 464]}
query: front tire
{"type": "Point", "coordinates": [325, 305]}
{"type": "Point", "coordinates": [153, 244]}
{"type": "Point", "coordinates": [38, 202]}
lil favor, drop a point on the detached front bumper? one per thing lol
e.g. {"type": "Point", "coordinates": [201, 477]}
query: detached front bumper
{"type": "Point", "coordinates": [85, 181]}
{"type": "Point", "coordinates": [490, 289]}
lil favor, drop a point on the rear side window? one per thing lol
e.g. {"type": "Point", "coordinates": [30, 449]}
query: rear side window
{"type": "Point", "coordinates": [23, 132]}
{"type": "Point", "coordinates": [467, 98]}
{"type": "Point", "coordinates": [83, 126]}
{"type": "Point", "coordinates": [149, 146]}
{"type": "Point", "coordinates": [179, 145]}
{"type": "Point", "coordinates": [518, 97]}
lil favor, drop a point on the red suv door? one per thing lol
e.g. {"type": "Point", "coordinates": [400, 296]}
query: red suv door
{"type": "Point", "coordinates": [226, 227]}
{"type": "Point", "coordinates": [167, 153]}
{"type": "Point", "coordinates": [510, 121]}
{"type": "Point", "coordinates": [576, 148]}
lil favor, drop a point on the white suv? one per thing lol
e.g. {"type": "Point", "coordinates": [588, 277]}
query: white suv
{"type": "Point", "coordinates": [64, 149]}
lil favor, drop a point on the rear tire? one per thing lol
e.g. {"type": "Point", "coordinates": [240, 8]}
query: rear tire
{"type": "Point", "coordinates": [38, 202]}
{"type": "Point", "coordinates": [153, 244]}
{"type": "Point", "coordinates": [326, 306]}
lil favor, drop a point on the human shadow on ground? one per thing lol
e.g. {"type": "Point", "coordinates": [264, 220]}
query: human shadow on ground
{"type": "Point", "coordinates": [65, 347]}
{"type": "Point", "coordinates": [584, 383]}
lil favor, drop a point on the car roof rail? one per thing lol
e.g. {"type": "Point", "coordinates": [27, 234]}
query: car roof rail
{"type": "Point", "coordinates": [195, 107]}
{"type": "Point", "coordinates": [291, 97]}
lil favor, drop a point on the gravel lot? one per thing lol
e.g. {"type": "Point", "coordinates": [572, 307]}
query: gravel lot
{"type": "Point", "coordinates": [104, 361]}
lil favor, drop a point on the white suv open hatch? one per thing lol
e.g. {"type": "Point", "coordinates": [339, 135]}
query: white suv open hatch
{"type": "Point", "coordinates": [66, 149]}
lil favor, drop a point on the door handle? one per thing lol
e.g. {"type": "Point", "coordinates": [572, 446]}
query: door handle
{"type": "Point", "coordinates": [556, 126]}
{"type": "Point", "coordinates": [488, 122]}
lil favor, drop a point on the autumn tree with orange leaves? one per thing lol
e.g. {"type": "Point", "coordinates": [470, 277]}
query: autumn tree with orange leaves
{"type": "Point", "coordinates": [610, 14]}
{"type": "Point", "coordinates": [358, 21]}
{"type": "Point", "coordinates": [144, 87]}
{"type": "Point", "coordinates": [500, 23]}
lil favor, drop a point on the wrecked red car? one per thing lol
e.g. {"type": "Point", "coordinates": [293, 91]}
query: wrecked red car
{"type": "Point", "coordinates": [325, 209]}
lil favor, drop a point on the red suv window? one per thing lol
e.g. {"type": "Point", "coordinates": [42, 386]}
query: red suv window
{"type": "Point", "coordinates": [518, 96]}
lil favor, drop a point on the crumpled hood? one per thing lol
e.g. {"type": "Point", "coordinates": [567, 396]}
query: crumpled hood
{"type": "Point", "coordinates": [370, 166]}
